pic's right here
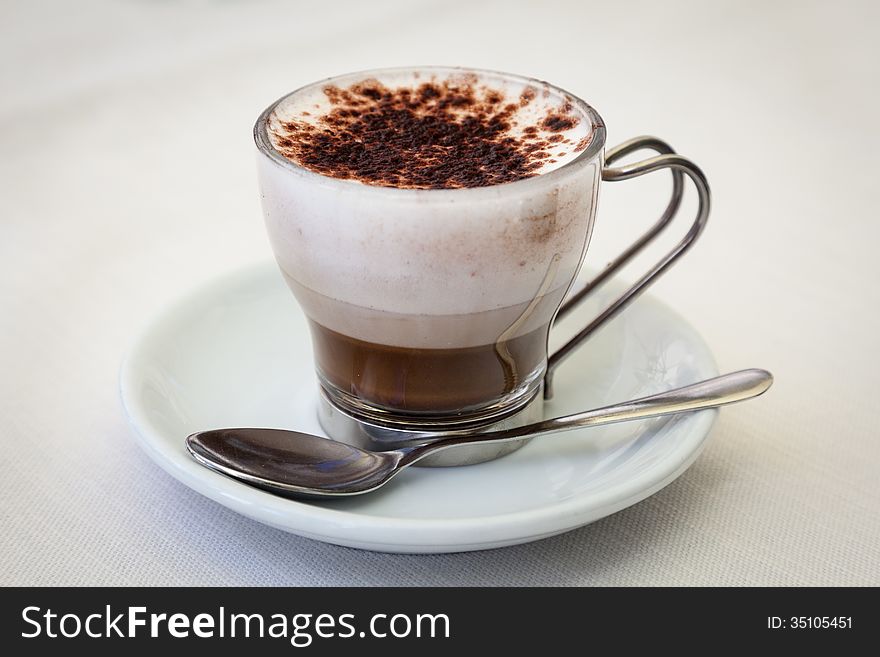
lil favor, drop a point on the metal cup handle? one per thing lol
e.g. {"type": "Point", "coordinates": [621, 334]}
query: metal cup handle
{"type": "Point", "coordinates": [678, 165]}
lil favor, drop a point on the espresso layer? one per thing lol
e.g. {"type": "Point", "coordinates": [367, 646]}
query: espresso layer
{"type": "Point", "coordinates": [407, 380]}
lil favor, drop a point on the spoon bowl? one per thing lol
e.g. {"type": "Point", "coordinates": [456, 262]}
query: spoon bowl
{"type": "Point", "coordinates": [293, 463]}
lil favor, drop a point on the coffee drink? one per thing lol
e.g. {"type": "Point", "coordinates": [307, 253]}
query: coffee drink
{"type": "Point", "coordinates": [429, 223]}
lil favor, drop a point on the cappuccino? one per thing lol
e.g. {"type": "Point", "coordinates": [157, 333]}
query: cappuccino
{"type": "Point", "coordinates": [429, 226]}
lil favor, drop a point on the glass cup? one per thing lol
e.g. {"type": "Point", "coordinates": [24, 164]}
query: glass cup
{"type": "Point", "coordinates": [430, 309]}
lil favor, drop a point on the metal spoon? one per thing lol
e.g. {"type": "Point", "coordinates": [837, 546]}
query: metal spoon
{"type": "Point", "coordinates": [302, 465]}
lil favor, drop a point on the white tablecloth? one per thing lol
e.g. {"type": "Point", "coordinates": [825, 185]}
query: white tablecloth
{"type": "Point", "coordinates": [127, 176]}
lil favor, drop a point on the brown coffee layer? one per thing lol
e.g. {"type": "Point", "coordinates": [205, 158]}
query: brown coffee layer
{"type": "Point", "coordinates": [408, 380]}
{"type": "Point", "coordinates": [437, 135]}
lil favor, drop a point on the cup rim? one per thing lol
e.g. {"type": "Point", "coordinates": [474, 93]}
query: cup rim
{"type": "Point", "coordinates": [593, 149]}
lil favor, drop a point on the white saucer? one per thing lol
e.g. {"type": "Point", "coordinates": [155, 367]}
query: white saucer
{"type": "Point", "coordinates": [237, 353]}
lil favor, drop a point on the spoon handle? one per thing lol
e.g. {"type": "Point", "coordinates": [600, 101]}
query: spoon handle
{"type": "Point", "coordinates": [724, 389]}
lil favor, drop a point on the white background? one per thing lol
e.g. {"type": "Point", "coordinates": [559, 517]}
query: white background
{"type": "Point", "coordinates": [127, 176]}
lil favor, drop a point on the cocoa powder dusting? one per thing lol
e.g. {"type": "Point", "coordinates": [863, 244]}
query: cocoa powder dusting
{"type": "Point", "coordinates": [435, 136]}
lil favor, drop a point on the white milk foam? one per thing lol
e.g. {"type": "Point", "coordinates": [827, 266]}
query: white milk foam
{"type": "Point", "coordinates": [412, 267]}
